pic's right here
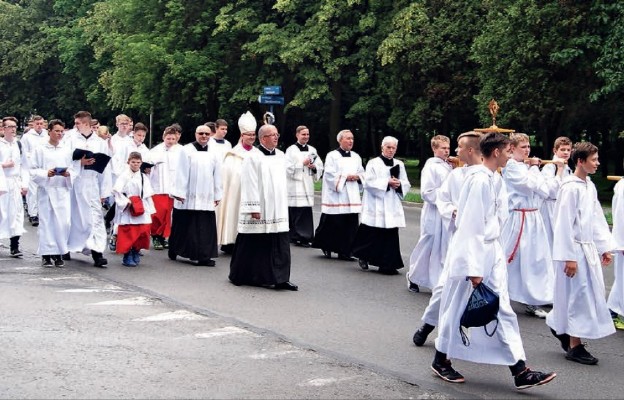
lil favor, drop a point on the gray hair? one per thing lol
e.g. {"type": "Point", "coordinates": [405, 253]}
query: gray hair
{"type": "Point", "coordinates": [265, 129]}
{"type": "Point", "coordinates": [390, 139]}
{"type": "Point", "coordinates": [341, 133]}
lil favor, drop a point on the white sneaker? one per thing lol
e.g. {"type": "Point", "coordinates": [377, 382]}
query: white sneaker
{"type": "Point", "coordinates": [536, 311]}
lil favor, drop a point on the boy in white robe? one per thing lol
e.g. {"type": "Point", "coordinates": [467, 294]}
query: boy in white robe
{"type": "Point", "coordinates": [581, 242]}
{"type": "Point", "coordinates": [341, 203]}
{"type": "Point", "coordinates": [133, 230]}
{"type": "Point", "coordinates": [377, 239]}
{"type": "Point", "coordinates": [51, 170]}
{"type": "Point", "coordinates": [524, 238]}
{"type": "Point", "coordinates": [477, 257]}
{"type": "Point", "coordinates": [304, 168]}
{"type": "Point", "coordinates": [616, 297]}
{"type": "Point", "coordinates": [13, 163]}
{"type": "Point", "coordinates": [554, 173]}
{"type": "Point", "coordinates": [30, 140]}
{"type": "Point", "coordinates": [469, 153]}
{"type": "Point", "coordinates": [428, 256]}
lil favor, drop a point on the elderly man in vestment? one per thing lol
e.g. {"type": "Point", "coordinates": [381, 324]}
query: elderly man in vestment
{"type": "Point", "coordinates": [304, 168]}
{"type": "Point", "coordinates": [198, 190]}
{"type": "Point", "coordinates": [262, 250]}
{"type": "Point", "coordinates": [341, 203]}
{"type": "Point", "coordinates": [377, 239]}
{"type": "Point", "coordinates": [50, 169]}
{"type": "Point", "coordinates": [581, 243]}
{"type": "Point", "coordinates": [227, 218]}
{"type": "Point", "coordinates": [477, 257]}
{"type": "Point", "coordinates": [89, 191]}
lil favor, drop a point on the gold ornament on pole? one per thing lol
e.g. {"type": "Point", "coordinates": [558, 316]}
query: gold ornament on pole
{"type": "Point", "coordinates": [493, 107]}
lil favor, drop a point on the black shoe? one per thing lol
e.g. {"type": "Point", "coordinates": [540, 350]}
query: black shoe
{"type": "Point", "coordinates": [307, 245]}
{"type": "Point", "coordinates": [327, 253]}
{"type": "Point", "coordinates": [446, 372]}
{"type": "Point", "coordinates": [206, 263]}
{"type": "Point", "coordinates": [100, 262]}
{"type": "Point", "coordinates": [344, 257]}
{"type": "Point", "coordinates": [580, 355]}
{"type": "Point", "coordinates": [420, 337]}
{"type": "Point", "coordinates": [564, 338]}
{"type": "Point", "coordinates": [172, 256]}
{"type": "Point", "coordinates": [388, 271]}
{"type": "Point", "coordinates": [16, 252]}
{"type": "Point", "coordinates": [286, 286]}
{"type": "Point", "coordinates": [58, 261]}
{"type": "Point", "coordinates": [527, 378]}
{"type": "Point", "coordinates": [363, 264]}
{"type": "Point", "coordinates": [34, 221]}
{"type": "Point", "coordinates": [66, 256]}
{"type": "Point", "coordinates": [413, 288]}
{"type": "Point", "coordinates": [46, 261]}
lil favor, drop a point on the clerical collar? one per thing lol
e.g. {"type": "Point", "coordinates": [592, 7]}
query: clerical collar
{"type": "Point", "coordinates": [302, 147]}
{"type": "Point", "coordinates": [266, 151]}
{"type": "Point", "coordinates": [344, 153]}
{"type": "Point", "coordinates": [199, 147]}
{"type": "Point", "coordinates": [387, 161]}
{"type": "Point", "coordinates": [221, 141]}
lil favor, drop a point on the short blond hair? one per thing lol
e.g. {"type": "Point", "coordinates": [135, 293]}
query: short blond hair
{"type": "Point", "coordinates": [517, 137]}
{"type": "Point", "coordinates": [437, 140]}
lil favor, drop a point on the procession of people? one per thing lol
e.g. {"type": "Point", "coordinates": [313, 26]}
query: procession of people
{"type": "Point", "coordinates": [490, 218]}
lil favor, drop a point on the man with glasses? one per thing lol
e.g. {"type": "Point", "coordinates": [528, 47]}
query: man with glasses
{"type": "Point", "coordinates": [262, 249]}
{"type": "Point", "coordinates": [227, 218]}
{"type": "Point", "coordinates": [17, 179]}
{"type": "Point", "coordinates": [197, 192]}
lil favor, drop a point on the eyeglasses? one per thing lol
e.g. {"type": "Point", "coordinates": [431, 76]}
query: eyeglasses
{"type": "Point", "coordinates": [203, 133]}
{"type": "Point", "coordinates": [249, 134]}
{"type": "Point", "coordinates": [10, 126]}
{"type": "Point", "coordinates": [273, 135]}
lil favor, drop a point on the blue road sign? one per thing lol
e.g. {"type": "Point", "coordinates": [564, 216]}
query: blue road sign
{"type": "Point", "coordinates": [272, 90]}
{"type": "Point", "coordinates": [277, 100]}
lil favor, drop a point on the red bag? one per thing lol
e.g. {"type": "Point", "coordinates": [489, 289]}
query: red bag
{"type": "Point", "coordinates": [136, 206]}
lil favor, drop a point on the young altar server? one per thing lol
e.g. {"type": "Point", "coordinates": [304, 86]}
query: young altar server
{"type": "Point", "coordinates": [529, 260]}
{"type": "Point", "coordinates": [133, 230]}
{"type": "Point", "coordinates": [385, 184]}
{"type": "Point", "coordinates": [616, 297]}
{"type": "Point", "coordinates": [428, 255]}
{"type": "Point", "coordinates": [469, 153]}
{"type": "Point", "coordinates": [51, 171]}
{"type": "Point", "coordinates": [554, 173]}
{"type": "Point", "coordinates": [581, 242]}
{"type": "Point", "coordinates": [303, 169]}
{"type": "Point", "coordinates": [477, 257]}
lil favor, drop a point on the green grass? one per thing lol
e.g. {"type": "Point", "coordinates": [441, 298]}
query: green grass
{"type": "Point", "coordinates": [413, 198]}
{"type": "Point", "coordinates": [609, 217]}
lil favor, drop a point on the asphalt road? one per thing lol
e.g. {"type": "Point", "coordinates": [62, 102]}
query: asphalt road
{"type": "Point", "coordinates": [360, 319]}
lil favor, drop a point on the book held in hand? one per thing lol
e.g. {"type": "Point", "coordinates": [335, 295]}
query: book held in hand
{"type": "Point", "coordinates": [101, 159]}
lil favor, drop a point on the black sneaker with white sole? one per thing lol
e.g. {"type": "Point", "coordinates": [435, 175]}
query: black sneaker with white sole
{"type": "Point", "coordinates": [445, 371]}
{"type": "Point", "coordinates": [527, 379]}
{"type": "Point", "coordinates": [46, 262]}
{"type": "Point", "coordinates": [16, 252]}
{"type": "Point", "coordinates": [580, 355]}
{"type": "Point", "coordinates": [564, 339]}
{"type": "Point", "coordinates": [420, 337]}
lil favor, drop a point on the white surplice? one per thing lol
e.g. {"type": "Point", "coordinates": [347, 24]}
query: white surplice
{"type": "Point", "coordinates": [54, 197]}
{"type": "Point", "coordinates": [163, 174]}
{"type": "Point", "coordinates": [338, 195]}
{"type": "Point", "coordinates": [382, 208]}
{"type": "Point", "coordinates": [133, 184]}
{"type": "Point", "coordinates": [87, 230]}
{"type": "Point", "coordinates": [264, 190]}
{"type": "Point", "coordinates": [616, 297]}
{"type": "Point", "coordinates": [119, 161]}
{"type": "Point", "coordinates": [17, 178]}
{"type": "Point", "coordinates": [227, 221]}
{"type": "Point", "coordinates": [301, 178]}
{"type": "Point", "coordinates": [427, 258]}
{"type": "Point", "coordinates": [476, 251]}
{"type": "Point", "coordinates": [198, 179]}
{"type": "Point", "coordinates": [220, 149]}
{"type": "Point", "coordinates": [30, 141]}
{"type": "Point", "coordinates": [548, 207]}
{"type": "Point", "coordinates": [524, 238]}
{"type": "Point", "coordinates": [581, 234]}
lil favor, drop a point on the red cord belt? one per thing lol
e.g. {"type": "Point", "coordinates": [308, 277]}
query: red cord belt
{"type": "Point", "coordinates": [515, 249]}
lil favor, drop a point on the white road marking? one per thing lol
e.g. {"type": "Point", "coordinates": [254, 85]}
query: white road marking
{"type": "Point", "coordinates": [107, 289]}
{"type": "Point", "coordinates": [228, 330]}
{"type": "Point", "coordinates": [173, 316]}
{"type": "Point", "coordinates": [325, 381]}
{"type": "Point", "coordinates": [133, 301]}
{"type": "Point", "coordinates": [273, 355]}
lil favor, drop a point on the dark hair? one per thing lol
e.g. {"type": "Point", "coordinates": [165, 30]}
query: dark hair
{"type": "Point", "coordinates": [94, 122]}
{"type": "Point", "coordinates": [82, 114]}
{"type": "Point", "coordinates": [176, 127]}
{"type": "Point", "coordinates": [492, 141]}
{"type": "Point", "coordinates": [5, 119]}
{"type": "Point", "coordinates": [221, 122]}
{"type": "Point", "coordinates": [135, 155]}
{"type": "Point", "coordinates": [54, 122]}
{"type": "Point", "coordinates": [212, 126]}
{"type": "Point", "coordinates": [139, 126]}
{"type": "Point", "coordinates": [170, 130]}
{"type": "Point", "coordinates": [36, 118]}
{"type": "Point", "coordinates": [562, 141]}
{"type": "Point", "coordinates": [582, 151]}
